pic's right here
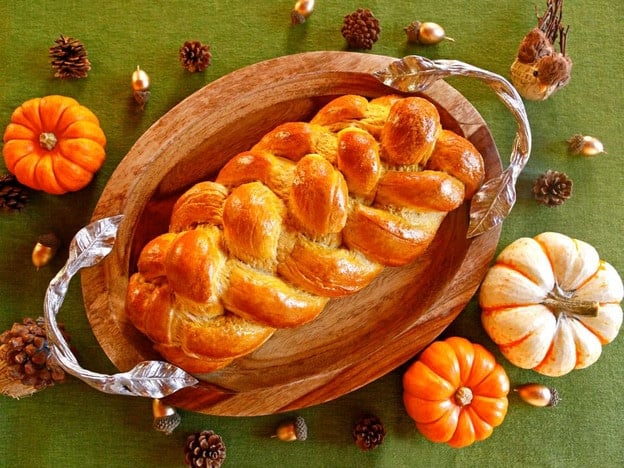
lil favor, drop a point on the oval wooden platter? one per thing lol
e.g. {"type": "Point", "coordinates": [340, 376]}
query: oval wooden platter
{"type": "Point", "coordinates": [356, 339]}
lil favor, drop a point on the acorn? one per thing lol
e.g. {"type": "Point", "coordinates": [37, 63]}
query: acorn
{"type": "Point", "coordinates": [166, 418]}
{"type": "Point", "coordinates": [301, 11]}
{"type": "Point", "coordinates": [141, 86]}
{"type": "Point", "coordinates": [45, 249]}
{"type": "Point", "coordinates": [292, 430]}
{"type": "Point", "coordinates": [538, 394]}
{"type": "Point", "coordinates": [426, 33]}
{"type": "Point", "coordinates": [585, 145]}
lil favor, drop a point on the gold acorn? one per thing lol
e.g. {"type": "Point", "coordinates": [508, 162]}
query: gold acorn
{"type": "Point", "coordinates": [426, 33]}
{"type": "Point", "coordinates": [538, 395]}
{"type": "Point", "coordinates": [166, 418]}
{"type": "Point", "coordinates": [292, 430]}
{"type": "Point", "coordinates": [301, 11]}
{"type": "Point", "coordinates": [141, 86]}
{"type": "Point", "coordinates": [45, 249]}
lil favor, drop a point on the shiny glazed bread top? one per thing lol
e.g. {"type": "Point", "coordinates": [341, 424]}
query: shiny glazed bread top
{"type": "Point", "coordinates": [315, 210]}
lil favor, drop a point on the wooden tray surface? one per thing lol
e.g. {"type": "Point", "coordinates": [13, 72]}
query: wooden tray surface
{"type": "Point", "coordinates": [356, 339]}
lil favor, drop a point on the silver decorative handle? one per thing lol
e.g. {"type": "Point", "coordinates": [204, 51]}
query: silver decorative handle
{"type": "Point", "coordinates": [153, 379]}
{"type": "Point", "coordinates": [494, 201]}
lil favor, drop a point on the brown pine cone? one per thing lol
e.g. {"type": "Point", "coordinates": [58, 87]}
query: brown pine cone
{"type": "Point", "coordinates": [368, 433]}
{"type": "Point", "coordinates": [25, 349]}
{"type": "Point", "coordinates": [13, 195]}
{"type": "Point", "coordinates": [361, 29]}
{"type": "Point", "coordinates": [69, 58]}
{"type": "Point", "coordinates": [204, 449]}
{"type": "Point", "coordinates": [195, 56]}
{"type": "Point", "coordinates": [552, 188]}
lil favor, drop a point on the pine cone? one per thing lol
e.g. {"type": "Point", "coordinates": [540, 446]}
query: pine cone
{"type": "Point", "coordinates": [361, 29]}
{"type": "Point", "coordinates": [69, 58]}
{"type": "Point", "coordinates": [25, 349]}
{"type": "Point", "coordinates": [552, 188]}
{"type": "Point", "coordinates": [368, 433]}
{"type": "Point", "coordinates": [13, 195]}
{"type": "Point", "coordinates": [195, 56]}
{"type": "Point", "coordinates": [204, 449]}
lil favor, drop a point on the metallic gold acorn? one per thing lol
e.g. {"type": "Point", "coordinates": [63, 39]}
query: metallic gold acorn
{"type": "Point", "coordinates": [292, 430]}
{"type": "Point", "coordinates": [426, 33]}
{"type": "Point", "coordinates": [166, 418]}
{"type": "Point", "coordinates": [301, 11]}
{"type": "Point", "coordinates": [141, 86]}
{"type": "Point", "coordinates": [585, 145]}
{"type": "Point", "coordinates": [45, 249]}
{"type": "Point", "coordinates": [538, 395]}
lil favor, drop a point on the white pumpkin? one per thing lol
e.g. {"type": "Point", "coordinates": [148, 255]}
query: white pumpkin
{"type": "Point", "coordinates": [550, 303]}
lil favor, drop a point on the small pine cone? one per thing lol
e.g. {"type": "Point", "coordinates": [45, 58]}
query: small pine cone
{"type": "Point", "coordinates": [204, 449]}
{"type": "Point", "coordinates": [361, 29]}
{"type": "Point", "coordinates": [25, 349]}
{"type": "Point", "coordinates": [368, 433]}
{"type": "Point", "coordinates": [69, 58]}
{"type": "Point", "coordinates": [195, 56]}
{"type": "Point", "coordinates": [552, 188]}
{"type": "Point", "coordinates": [13, 195]}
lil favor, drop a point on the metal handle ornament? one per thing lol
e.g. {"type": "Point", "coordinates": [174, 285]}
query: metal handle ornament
{"type": "Point", "coordinates": [153, 379]}
{"type": "Point", "coordinates": [494, 201]}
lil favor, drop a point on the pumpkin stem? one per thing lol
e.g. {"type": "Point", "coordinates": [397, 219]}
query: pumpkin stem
{"type": "Point", "coordinates": [47, 140]}
{"type": "Point", "coordinates": [560, 301]}
{"type": "Point", "coordinates": [463, 396]}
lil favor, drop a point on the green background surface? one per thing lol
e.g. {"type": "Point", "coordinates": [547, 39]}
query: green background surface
{"type": "Point", "coordinates": [72, 425]}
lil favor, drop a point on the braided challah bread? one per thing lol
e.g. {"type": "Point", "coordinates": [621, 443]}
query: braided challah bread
{"type": "Point", "coordinates": [314, 211]}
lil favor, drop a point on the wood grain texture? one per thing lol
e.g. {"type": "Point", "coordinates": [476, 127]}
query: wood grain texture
{"type": "Point", "coordinates": [392, 319]}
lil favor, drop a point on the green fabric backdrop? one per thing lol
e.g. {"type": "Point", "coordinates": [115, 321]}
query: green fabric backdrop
{"type": "Point", "coordinates": [73, 425]}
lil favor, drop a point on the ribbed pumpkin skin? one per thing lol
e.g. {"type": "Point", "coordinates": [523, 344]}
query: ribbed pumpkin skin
{"type": "Point", "coordinates": [431, 388]}
{"type": "Point", "coordinates": [532, 330]}
{"type": "Point", "coordinates": [54, 144]}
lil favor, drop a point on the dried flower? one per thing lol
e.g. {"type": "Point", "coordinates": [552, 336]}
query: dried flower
{"type": "Point", "coordinates": [195, 56]}
{"type": "Point", "coordinates": [552, 188]}
{"type": "Point", "coordinates": [361, 29]}
{"type": "Point", "coordinates": [539, 70]}
{"type": "Point", "coordinates": [69, 58]}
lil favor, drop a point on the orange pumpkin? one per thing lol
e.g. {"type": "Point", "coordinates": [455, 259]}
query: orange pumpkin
{"type": "Point", "coordinates": [456, 392]}
{"type": "Point", "coordinates": [54, 144]}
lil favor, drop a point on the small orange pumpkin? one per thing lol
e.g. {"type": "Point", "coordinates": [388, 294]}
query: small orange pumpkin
{"type": "Point", "coordinates": [456, 392]}
{"type": "Point", "coordinates": [54, 144]}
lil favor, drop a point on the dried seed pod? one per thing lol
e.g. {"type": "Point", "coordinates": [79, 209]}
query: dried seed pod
{"type": "Point", "coordinates": [141, 86]}
{"type": "Point", "coordinates": [538, 395]}
{"type": "Point", "coordinates": [585, 145]}
{"type": "Point", "coordinates": [295, 429]}
{"type": "Point", "coordinates": [45, 249]}
{"type": "Point", "coordinates": [166, 418]}
{"type": "Point", "coordinates": [301, 11]}
{"type": "Point", "coordinates": [426, 33]}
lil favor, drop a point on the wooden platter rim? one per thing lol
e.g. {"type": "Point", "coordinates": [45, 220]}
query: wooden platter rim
{"type": "Point", "coordinates": [103, 308]}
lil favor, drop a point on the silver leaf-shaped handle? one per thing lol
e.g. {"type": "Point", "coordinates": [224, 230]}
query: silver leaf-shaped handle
{"type": "Point", "coordinates": [152, 379]}
{"type": "Point", "coordinates": [494, 201]}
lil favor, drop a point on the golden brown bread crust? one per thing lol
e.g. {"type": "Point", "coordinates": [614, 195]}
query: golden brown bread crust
{"type": "Point", "coordinates": [458, 157]}
{"type": "Point", "coordinates": [315, 210]}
